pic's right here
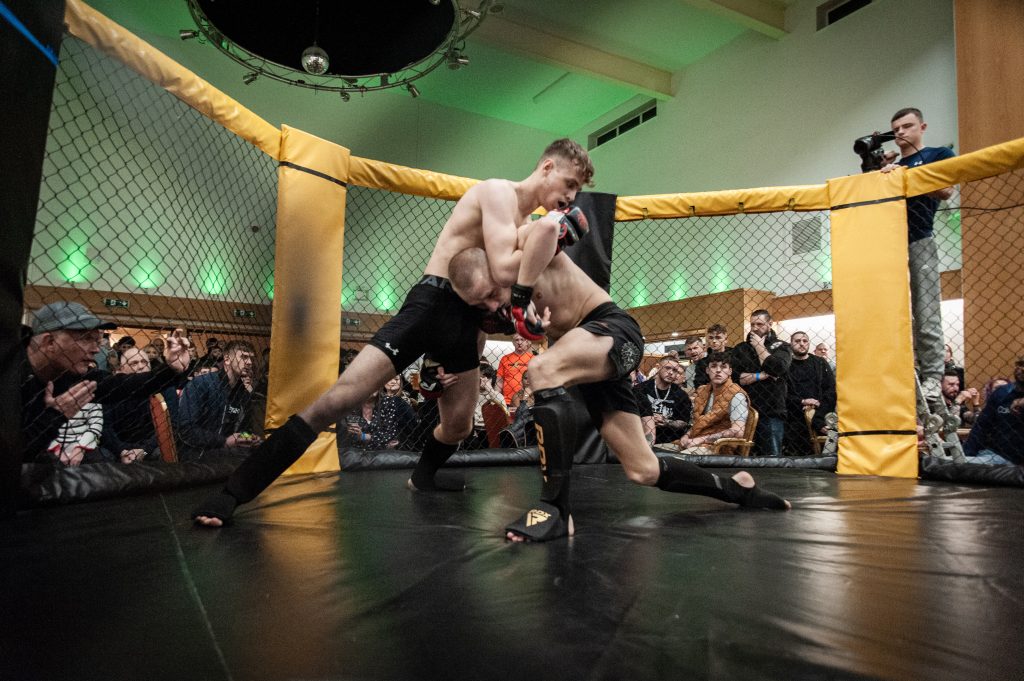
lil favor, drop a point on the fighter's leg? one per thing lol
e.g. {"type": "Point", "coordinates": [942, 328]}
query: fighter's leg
{"type": "Point", "coordinates": [456, 406]}
{"type": "Point", "coordinates": [578, 357]}
{"type": "Point", "coordinates": [624, 435]}
{"type": "Point", "coordinates": [369, 371]}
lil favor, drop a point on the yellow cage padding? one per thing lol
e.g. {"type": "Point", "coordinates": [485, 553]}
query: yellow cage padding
{"type": "Point", "coordinates": [871, 294]}
{"type": "Point", "coordinates": [727, 202]}
{"type": "Point", "coordinates": [306, 321]}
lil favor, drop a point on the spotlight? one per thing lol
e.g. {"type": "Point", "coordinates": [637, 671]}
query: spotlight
{"type": "Point", "coordinates": [315, 60]}
{"type": "Point", "coordinates": [250, 77]}
{"type": "Point", "coordinates": [413, 90]}
{"type": "Point", "coordinates": [435, 2]}
{"type": "Point", "coordinates": [188, 34]}
{"type": "Point", "coordinates": [345, 96]}
{"type": "Point", "coordinates": [456, 59]}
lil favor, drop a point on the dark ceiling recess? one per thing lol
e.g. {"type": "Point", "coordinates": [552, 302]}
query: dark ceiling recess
{"type": "Point", "coordinates": [361, 38]}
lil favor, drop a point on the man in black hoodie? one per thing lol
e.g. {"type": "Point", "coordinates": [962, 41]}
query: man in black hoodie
{"type": "Point", "coordinates": [760, 364]}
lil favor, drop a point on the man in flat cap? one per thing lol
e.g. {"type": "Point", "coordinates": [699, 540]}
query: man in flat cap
{"type": "Point", "coordinates": [58, 374]}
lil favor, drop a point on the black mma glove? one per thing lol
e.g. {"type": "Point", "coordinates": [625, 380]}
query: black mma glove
{"type": "Point", "coordinates": [520, 301]}
{"type": "Point", "coordinates": [572, 227]}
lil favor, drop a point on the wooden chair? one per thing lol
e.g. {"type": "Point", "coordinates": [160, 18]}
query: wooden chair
{"type": "Point", "coordinates": [495, 418]}
{"type": "Point", "coordinates": [817, 439]}
{"type": "Point", "coordinates": [162, 425]}
{"type": "Point", "coordinates": [738, 446]}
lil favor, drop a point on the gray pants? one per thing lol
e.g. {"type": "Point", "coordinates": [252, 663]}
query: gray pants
{"type": "Point", "coordinates": [925, 305]}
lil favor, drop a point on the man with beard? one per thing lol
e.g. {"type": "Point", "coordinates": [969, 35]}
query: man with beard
{"type": "Point", "coordinates": [760, 365]}
{"type": "Point", "coordinates": [810, 385]}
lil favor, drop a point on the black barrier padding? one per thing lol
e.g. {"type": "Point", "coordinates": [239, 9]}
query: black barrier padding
{"type": "Point", "coordinates": [45, 485]}
{"type": "Point", "coordinates": [594, 253]}
{"type": "Point", "coordinates": [823, 463]}
{"type": "Point", "coordinates": [366, 460]}
{"type": "Point", "coordinates": [26, 83]}
{"type": "Point", "coordinates": [933, 468]}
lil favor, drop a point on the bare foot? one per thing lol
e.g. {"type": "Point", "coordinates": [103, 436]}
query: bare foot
{"type": "Point", "coordinates": [745, 479]}
{"type": "Point", "coordinates": [520, 539]}
{"type": "Point", "coordinates": [207, 521]}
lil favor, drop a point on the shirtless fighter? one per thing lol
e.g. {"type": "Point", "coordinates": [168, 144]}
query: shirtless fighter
{"type": "Point", "coordinates": [434, 321]}
{"type": "Point", "coordinates": [598, 346]}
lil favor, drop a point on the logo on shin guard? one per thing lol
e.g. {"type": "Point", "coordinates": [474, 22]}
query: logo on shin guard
{"type": "Point", "coordinates": [536, 517]}
{"type": "Point", "coordinates": [543, 454]}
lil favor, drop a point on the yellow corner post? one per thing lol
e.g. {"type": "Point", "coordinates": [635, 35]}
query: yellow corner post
{"type": "Point", "coordinates": [871, 297]}
{"type": "Point", "coordinates": [306, 322]}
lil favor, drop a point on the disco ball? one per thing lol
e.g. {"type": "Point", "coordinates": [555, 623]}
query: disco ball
{"type": "Point", "coordinates": [315, 60]}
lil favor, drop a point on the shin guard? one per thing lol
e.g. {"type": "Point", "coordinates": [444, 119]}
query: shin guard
{"type": "Point", "coordinates": [557, 421]}
{"type": "Point", "coordinates": [688, 478]}
{"type": "Point", "coordinates": [426, 476]}
{"type": "Point", "coordinates": [283, 448]}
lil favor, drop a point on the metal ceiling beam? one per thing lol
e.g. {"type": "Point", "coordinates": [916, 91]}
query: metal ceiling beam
{"type": "Point", "coordinates": [764, 16]}
{"type": "Point", "coordinates": [536, 44]}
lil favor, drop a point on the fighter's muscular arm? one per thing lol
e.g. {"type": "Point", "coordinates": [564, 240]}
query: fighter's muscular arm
{"type": "Point", "coordinates": [513, 260]}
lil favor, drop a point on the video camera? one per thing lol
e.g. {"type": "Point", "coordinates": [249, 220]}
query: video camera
{"type": "Point", "coordinates": [869, 148]}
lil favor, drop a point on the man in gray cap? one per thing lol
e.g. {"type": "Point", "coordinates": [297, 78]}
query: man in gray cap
{"type": "Point", "coordinates": [57, 377]}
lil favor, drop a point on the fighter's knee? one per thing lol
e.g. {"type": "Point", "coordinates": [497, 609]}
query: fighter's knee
{"type": "Point", "coordinates": [644, 472]}
{"type": "Point", "coordinates": [453, 433]}
{"type": "Point", "coordinates": [544, 373]}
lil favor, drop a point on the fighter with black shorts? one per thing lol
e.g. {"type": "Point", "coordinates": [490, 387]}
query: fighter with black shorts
{"type": "Point", "coordinates": [596, 345]}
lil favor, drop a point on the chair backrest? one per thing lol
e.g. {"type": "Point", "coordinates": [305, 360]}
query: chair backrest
{"type": "Point", "coordinates": [748, 431]}
{"type": "Point", "coordinates": [162, 426]}
{"type": "Point", "coordinates": [495, 418]}
{"type": "Point", "coordinates": [816, 440]}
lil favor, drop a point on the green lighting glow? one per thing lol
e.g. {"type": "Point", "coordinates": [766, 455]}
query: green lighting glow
{"type": "Point", "coordinates": [385, 299]}
{"type": "Point", "coordinates": [72, 262]}
{"type": "Point", "coordinates": [268, 285]}
{"type": "Point", "coordinates": [679, 287]}
{"type": "Point", "coordinates": [720, 278]}
{"type": "Point", "coordinates": [953, 220]}
{"type": "Point", "coordinates": [640, 295]}
{"type": "Point", "coordinates": [147, 274]}
{"type": "Point", "coordinates": [213, 278]}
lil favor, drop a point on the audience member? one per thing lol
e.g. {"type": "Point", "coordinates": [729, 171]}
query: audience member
{"type": "Point", "coordinates": [695, 352]}
{"type": "Point", "coordinates": [512, 366]}
{"type": "Point", "coordinates": [760, 364]}
{"type": "Point", "coordinates": [822, 350]}
{"type": "Point", "coordinates": [992, 385]}
{"type": "Point", "coordinates": [670, 405]}
{"type": "Point", "coordinates": [215, 409]}
{"type": "Point", "coordinates": [152, 354]}
{"type": "Point", "coordinates": [720, 408]}
{"type": "Point", "coordinates": [78, 440]}
{"type": "Point", "coordinates": [961, 403]}
{"type": "Point", "coordinates": [998, 433]}
{"type": "Point", "coordinates": [384, 421]}
{"type": "Point", "coordinates": [57, 378]}
{"type": "Point", "coordinates": [488, 393]}
{"type": "Point", "coordinates": [951, 365]}
{"type": "Point", "coordinates": [128, 432]}
{"type": "Point", "coordinates": [811, 385]}
{"type": "Point", "coordinates": [101, 358]}
{"type": "Point", "coordinates": [718, 339]}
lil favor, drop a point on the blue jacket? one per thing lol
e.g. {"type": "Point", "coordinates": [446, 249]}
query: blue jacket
{"type": "Point", "coordinates": [997, 428]}
{"type": "Point", "coordinates": [210, 409]}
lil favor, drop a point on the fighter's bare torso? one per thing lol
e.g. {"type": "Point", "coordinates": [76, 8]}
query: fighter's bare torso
{"type": "Point", "coordinates": [465, 227]}
{"type": "Point", "coordinates": [569, 294]}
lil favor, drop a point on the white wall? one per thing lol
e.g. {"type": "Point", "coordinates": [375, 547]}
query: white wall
{"type": "Point", "coordinates": [763, 112]}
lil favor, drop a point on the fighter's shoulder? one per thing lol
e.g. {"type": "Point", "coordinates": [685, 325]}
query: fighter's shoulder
{"type": "Point", "coordinates": [493, 188]}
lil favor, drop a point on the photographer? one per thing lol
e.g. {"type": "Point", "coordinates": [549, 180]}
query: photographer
{"type": "Point", "coordinates": [925, 291]}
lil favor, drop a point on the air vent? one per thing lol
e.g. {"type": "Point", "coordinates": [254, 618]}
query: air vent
{"type": "Point", "coordinates": [806, 236]}
{"type": "Point", "coordinates": [832, 11]}
{"type": "Point", "coordinates": [623, 125]}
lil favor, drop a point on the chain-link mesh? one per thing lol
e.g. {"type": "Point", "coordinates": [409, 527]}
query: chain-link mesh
{"type": "Point", "coordinates": [156, 218]}
{"type": "Point", "coordinates": [146, 202]}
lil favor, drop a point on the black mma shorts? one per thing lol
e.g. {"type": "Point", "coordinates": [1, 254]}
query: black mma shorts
{"type": "Point", "coordinates": [615, 393]}
{"type": "Point", "coordinates": [432, 321]}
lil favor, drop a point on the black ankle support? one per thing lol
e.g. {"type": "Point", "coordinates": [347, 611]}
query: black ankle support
{"type": "Point", "coordinates": [283, 448]}
{"type": "Point", "coordinates": [434, 455]}
{"type": "Point", "coordinates": [688, 478]}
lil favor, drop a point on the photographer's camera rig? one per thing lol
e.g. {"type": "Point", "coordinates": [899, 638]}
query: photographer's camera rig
{"type": "Point", "coordinates": [869, 148]}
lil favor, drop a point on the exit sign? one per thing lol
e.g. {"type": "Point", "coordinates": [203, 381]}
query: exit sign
{"type": "Point", "coordinates": [115, 302]}
{"type": "Point", "coordinates": [245, 313]}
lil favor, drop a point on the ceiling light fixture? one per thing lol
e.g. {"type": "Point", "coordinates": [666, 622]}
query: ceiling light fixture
{"type": "Point", "coordinates": [327, 64]}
